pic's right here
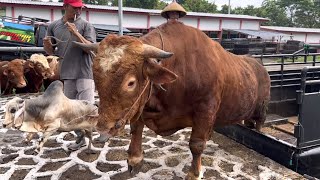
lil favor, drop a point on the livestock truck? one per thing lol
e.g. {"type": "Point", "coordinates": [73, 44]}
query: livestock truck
{"type": "Point", "coordinates": [20, 37]}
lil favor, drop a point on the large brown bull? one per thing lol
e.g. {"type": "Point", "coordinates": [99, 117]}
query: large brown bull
{"type": "Point", "coordinates": [200, 86]}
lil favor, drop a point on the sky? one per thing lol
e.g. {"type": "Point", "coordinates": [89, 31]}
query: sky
{"type": "Point", "coordinates": [237, 3]}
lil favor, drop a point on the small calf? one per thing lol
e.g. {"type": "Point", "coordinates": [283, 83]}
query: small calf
{"type": "Point", "coordinates": [51, 112]}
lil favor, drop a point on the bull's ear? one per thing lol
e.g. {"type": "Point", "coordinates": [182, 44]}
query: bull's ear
{"type": "Point", "coordinates": [31, 64]}
{"type": "Point", "coordinates": [159, 74]}
{"type": "Point", "coordinates": [20, 101]}
{"type": "Point", "coordinates": [49, 59]}
{"type": "Point", "coordinates": [5, 72]}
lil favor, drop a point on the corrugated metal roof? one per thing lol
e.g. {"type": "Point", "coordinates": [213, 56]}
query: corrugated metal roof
{"type": "Point", "coordinates": [291, 29]}
{"type": "Point", "coordinates": [151, 11]}
{"type": "Point", "coordinates": [260, 33]}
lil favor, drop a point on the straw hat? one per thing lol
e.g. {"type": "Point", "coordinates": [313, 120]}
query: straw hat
{"type": "Point", "coordinates": [174, 6]}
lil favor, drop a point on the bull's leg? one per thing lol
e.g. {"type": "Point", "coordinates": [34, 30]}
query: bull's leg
{"type": "Point", "coordinates": [80, 135]}
{"type": "Point", "coordinates": [260, 115]}
{"type": "Point", "coordinates": [89, 135]}
{"type": "Point", "coordinates": [46, 136]}
{"type": "Point", "coordinates": [29, 137]}
{"type": "Point", "coordinates": [201, 129]}
{"type": "Point", "coordinates": [263, 115]}
{"type": "Point", "coordinates": [135, 153]}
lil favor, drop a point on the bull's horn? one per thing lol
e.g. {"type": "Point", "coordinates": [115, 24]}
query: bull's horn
{"type": "Point", "coordinates": [153, 52]}
{"type": "Point", "coordinates": [87, 47]}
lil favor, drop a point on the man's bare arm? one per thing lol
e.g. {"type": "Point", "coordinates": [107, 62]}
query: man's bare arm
{"type": "Point", "coordinates": [47, 46]}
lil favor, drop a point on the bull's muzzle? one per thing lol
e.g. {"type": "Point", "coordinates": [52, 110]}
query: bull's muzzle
{"type": "Point", "coordinates": [7, 125]}
{"type": "Point", "coordinates": [21, 84]}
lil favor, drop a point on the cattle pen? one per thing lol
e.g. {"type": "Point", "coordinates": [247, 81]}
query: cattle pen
{"type": "Point", "coordinates": [165, 157]}
{"type": "Point", "coordinates": [290, 135]}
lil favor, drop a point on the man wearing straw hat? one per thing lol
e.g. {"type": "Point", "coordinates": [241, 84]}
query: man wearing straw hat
{"type": "Point", "coordinates": [173, 11]}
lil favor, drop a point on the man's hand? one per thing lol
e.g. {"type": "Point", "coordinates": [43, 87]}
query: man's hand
{"type": "Point", "coordinates": [71, 27]}
{"type": "Point", "coordinates": [47, 41]}
{"type": "Point", "coordinates": [47, 45]}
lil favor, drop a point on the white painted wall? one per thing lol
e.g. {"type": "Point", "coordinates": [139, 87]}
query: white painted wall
{"type": "Point", "coordinates": [313, 38]}
{"type": "Point", "coordinates": [296, 36]}
{"type": "Point", "coordinates": [32, 12]}
{"type": "Point", "coordinates": [102, 18]}
{"type": "Point", "coordinates": [209, 24]}
{"type": "Point", "coordinates": [136, 21]}
{"type": "Point", "coordinates": [156, 20]}
{"type": "Point", "coordinates": [254, 25]}
{"type": "Point", "coordinates": [8, 11]}
{"type": "Point", "coordinates": [57, 14]}
{"type": "Point", "coordinates": [230, 24]}
{"type": "Point", "coordinates": [190, 21]}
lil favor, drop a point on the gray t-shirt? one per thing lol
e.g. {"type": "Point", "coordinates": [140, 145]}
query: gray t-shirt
{"type": "Point", "coordinates": [75, 63]}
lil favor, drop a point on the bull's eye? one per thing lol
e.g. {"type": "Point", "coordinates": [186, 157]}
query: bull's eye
{"type": "Point", "coordinates": [13, 110]}
{"type": "Point", "coordinates": [130, 84]}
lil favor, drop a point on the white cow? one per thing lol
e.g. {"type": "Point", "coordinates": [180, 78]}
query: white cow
{"type": "Point", "coordinates": [51, 112]}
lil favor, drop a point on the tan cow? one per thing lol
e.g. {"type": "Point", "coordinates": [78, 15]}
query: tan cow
{"type": "Point", "coordinates": [200, 85]}
{"type": "Point", "coordinates": [49, 113]}
{"type": "Point", "coordinates": [12, 75]}
{"type": "Point", "coordinates": [54, 65]}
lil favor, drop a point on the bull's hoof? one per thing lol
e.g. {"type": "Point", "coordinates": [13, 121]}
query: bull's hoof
{"type": "Point", "coordinates": [191, 176]}
{"type": "Point", "coordinates": [90, 151]}
{"type": "Point", "coordinates": [36, 151]}
{"type": "Point", "coordinates": [134, 169]}
{"type": "Point", "coordinates": [249, 123]}
{"type": "Point", "coordinates": [27, 142]}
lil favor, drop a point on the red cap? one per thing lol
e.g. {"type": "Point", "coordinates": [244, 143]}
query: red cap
{"type": "Point", "coordinates": [74, 3]}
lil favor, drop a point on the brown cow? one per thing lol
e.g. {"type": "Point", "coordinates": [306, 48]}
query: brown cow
{"type": "Point", "coordinates": [36, 69]}
{"type": "Point", "coordinates": [201, 86]}
{"type": "Point", "coordinates": [11, 75]}
{"type": "Point", "coordinates": [54, 64]}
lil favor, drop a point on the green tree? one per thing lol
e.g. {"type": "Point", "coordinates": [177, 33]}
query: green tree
{"type": "Point", "coordinates": [224, 9]}
{"type": "Point", "coordinates": [302, 13]}
{"type": "Point", "coordinates": [199, 6]}
{"type": "Point", "coordinates": [145, 4]}
{"type": "Point", "coordinates": [277, 14]}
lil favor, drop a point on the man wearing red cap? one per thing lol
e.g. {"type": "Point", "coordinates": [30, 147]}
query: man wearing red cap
{"type": "Point", "coordinates": [75, 64]}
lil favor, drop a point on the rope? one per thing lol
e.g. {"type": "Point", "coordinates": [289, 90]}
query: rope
{"type": "Point", "coordinates": [57, 40]}
{"type": "Point", "coordinates": [82, 116]}
{"type": "Point", "coordinates": [161, 38]}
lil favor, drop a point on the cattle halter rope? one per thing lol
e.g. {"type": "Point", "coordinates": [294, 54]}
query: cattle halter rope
{"type": "Point", "coordinates": [123, 120]}
{"type": "Point", "coordinates": [85, 115]}
{"type": "Point", "coordinates": [161, 38]}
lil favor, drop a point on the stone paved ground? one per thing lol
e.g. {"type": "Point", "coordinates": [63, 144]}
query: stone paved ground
{"type": "Point", "coordinates": [165, 158]}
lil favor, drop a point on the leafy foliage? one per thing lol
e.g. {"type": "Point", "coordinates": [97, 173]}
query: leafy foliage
{"type": "Point", "coordinates": [292, 13]}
